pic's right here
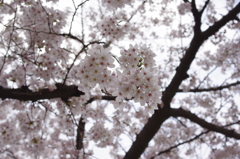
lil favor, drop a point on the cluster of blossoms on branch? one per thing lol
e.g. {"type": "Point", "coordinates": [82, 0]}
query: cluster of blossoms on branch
{"type": "Point", "coordinates": [136, 76]}
{"type": "Point", "coordinates": [184, 7]}
{"type": "Point", "coordinates": [112, 28]}
{"type": "Point", "coordinates": [114, 4]}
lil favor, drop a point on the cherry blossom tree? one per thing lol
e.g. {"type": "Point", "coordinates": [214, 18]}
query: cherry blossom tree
{"type": "Point", "coordinates": [138, 79]}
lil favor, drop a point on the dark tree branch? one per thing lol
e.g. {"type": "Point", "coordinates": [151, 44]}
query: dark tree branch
{"type": "Point", "coordinates": [181, 71]}
{"type": "Point", "coordinates": [69, 35]}
{"type": "Point", "coordinates": [212, 88]}
{"type": "Point", "coordinates": [209, 126]}
{"type": "Point", "coordinates": [147, 133]}
{"type": "Point", "coordinates": [204, 7]}
{"type": "Point", "coordinates": [223, 21]}
{"type": "Point", "coordinates": [25, 94]}
{"type": "Point", "coordinates": [108, 97]}
{"type": "Point", "coordinates": [80, 134]}
{"type": "Point", "coordinates": [197, 18]}
{"type": "Point", "coordinates": [194, 8]}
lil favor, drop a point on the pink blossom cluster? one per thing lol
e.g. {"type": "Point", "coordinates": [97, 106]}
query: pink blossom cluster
{"type": "Point", "coordinates": [227, 50]}
{"type": "Point", "coordinates": [7, 132]}
{"type": "Point", "coordinates": [36, 145]}
{"type": "Point", "coordinates": [45, 19]}
{"type": "Point", "coordinates": [112, 28]}
{"type": "Point", "coordinates": [184, 7]}
{"type": "Point", "coordinates": [101, 135]}
{"type": "Point", "coordinates": [136, 78]}
{"type": "Point", "coordinates": [95, 69]}
{"type": "Point", "coordinates": [114, 4]}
